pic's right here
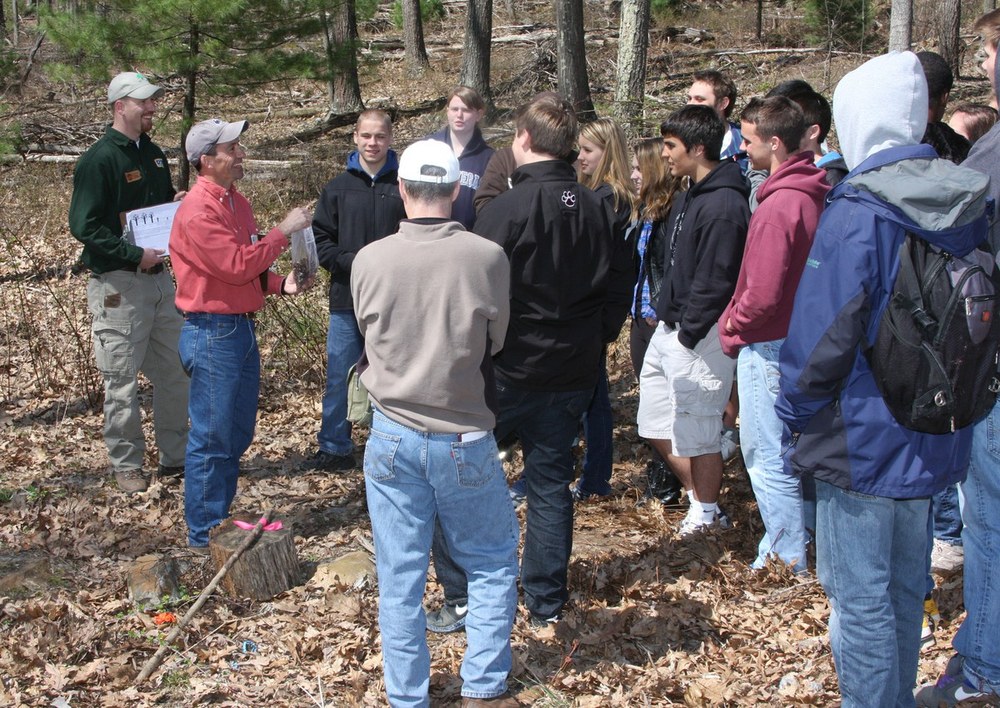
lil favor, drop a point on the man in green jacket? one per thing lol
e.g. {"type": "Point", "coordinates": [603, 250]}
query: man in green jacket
{"type": "Point", "coordinates": [130, 293]}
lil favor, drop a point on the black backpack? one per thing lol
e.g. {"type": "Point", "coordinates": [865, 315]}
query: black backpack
{"type": "Point", "coordinates": [935, 356]}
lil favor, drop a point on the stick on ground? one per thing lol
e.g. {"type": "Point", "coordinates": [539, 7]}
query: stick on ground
{"type": "Point", "coordinates": [157, 658]}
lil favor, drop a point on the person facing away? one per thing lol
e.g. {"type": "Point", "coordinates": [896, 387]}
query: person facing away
{"type": "Point", "coordinates": [972, 121]}
{"type": "Point", "coordinates": [686, 379]}
{"type": "Point", "coordinates": [465, 109]}
{"type": "Point", "coordinates": [556, 234]}
{"type": "Point", "coordinates": [431, 456]}
{"type": "Point", "coordinates": [948, 143]}
{"type": "Point", "coordinates": [130, 293]}
{"type": "Point", "coordinates": [755, 322]}
{"type": "Point", "coordinates": [873, 476]}
{"type": "Point", "coordinates": [355, 208]}
{"type": "Point", "coordinates": [222, 267]}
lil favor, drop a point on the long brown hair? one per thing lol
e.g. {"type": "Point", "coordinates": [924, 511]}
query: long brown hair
{"type": "Point", "coordinates": [658, 185]}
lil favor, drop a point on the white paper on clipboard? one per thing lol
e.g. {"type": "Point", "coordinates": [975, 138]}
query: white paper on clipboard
{"type": "Point", "coordinates": [149, 227]}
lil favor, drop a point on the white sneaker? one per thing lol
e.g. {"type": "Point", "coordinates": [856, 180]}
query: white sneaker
{"type": "Point", "coordinates": [694, 524]}
{"type": "Point", "coordinates": [946, 557]}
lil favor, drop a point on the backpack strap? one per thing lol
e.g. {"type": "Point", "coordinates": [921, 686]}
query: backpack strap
{"type": "Point", "coordinates": [908, 286]}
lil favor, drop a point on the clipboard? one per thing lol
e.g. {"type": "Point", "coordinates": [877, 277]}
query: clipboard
{"type": "Point", "coordinates": [149, 227]}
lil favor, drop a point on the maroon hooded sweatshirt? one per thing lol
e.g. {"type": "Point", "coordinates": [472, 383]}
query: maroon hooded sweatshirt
{"type": "Point", "coordinates": [781, 232]}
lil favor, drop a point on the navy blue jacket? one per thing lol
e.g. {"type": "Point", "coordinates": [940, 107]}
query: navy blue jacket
{"type": "Point", "coordinates": [845, 434]}
{"type": "Point", "coordinates": [472, 163]}
{"type": "Point", "coordinates": [353, 210]}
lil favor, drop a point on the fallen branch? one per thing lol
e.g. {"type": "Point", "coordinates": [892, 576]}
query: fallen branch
{"type": "Point", "coordinates": [157, 658]}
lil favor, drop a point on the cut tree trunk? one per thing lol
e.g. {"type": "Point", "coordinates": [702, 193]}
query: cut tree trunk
{"type": "Point", "coordinates": [267, 568]}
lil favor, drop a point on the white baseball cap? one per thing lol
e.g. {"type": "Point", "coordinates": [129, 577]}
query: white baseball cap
{"type": "Point", "coordinates": [132, 84]}
{"type": "Point", "coordinates": [429, 161]}
{"type": "Point", "coordinates": [205, 135]}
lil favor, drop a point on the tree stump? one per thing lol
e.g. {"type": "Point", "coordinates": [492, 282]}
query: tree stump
{"type": "Point", "coordinates": [268, 567]}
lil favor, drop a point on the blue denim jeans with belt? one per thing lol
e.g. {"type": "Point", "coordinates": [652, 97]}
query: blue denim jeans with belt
{"type": "Point", "coordinates": [220, 354]}
{"type": "Point", "coordinates": [414, 480]}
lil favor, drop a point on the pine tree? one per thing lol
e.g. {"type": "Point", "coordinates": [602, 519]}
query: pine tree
{"type": "Point", "coordinates": [223, 46]}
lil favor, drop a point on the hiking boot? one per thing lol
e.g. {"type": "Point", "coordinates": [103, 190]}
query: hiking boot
{"type": "Point", "coordinates": [132, 481]}
{"type": "Point", "coordinates": [730, 443]}
{"type": "Point", "coordinates": [450, 618]}
{"type": "Point", "coordinates": [662, 484]}
{"type": "Point", "coordinates": [504, 700]}
{"type": "Point", "coordinates": [953, 690]}
{"type": "Point", "coordinates": [199, 550]}
{"type": "Point", "coordinates": [931, 618]}
{"type": "Point", "coordinates": [946, 557]}
{"type": "Point", "coordinates": [323, 461]}
{"type": "Point", "coordinates": [165, 471]}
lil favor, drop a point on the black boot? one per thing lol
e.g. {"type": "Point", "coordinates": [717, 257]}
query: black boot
{"type": "Point", "coordinates": [662, 484]}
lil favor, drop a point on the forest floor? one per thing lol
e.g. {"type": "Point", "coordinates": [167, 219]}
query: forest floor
{"type": "Point", "coordinates": [652, 620]}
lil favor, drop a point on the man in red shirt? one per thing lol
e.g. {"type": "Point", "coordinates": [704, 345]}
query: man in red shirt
{"type": "Point", "coordinates": [223, 272]}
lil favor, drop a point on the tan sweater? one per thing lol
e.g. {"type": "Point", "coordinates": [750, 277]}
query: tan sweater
{"type": "Point", "coordinates": [429, 300]}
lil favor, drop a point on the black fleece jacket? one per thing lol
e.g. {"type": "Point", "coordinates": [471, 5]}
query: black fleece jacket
{"type": "Point", "coordinates": [706, 232]}
{"type": "Point", "coordinates": [565, 267]}
{"type": "Point", "coordinates": [353, 210]}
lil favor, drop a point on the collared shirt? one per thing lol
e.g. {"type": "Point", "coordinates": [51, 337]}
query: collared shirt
{"type": "Point", "coordinates": [640, 296]}
{"type": "Point", "coordinates": [217, 258]}
{"type": "Point", "coordinates": [114, 176]}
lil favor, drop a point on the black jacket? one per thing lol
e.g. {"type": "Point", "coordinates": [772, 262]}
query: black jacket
{"type": "Point", "coordinates": [353, 210]}
{"type": "Point", "coordinates": [703, 250]}
{"type": "Point", "coordinates": [565, 270]}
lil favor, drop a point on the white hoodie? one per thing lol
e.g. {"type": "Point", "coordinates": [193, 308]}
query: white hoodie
{"type": "Point", "coordinates": [881, 104]}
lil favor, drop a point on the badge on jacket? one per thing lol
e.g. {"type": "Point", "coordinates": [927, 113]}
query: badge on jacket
{"type": "Point", "coordinates": [133, 176]}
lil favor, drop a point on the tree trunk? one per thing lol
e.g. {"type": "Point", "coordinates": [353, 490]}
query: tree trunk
{"type": "Point", "coordinates": [267, 568]}
{"type": "Point", "coordinates": [900, 25]}
{"type": "Point", "coordinates": [476, 54]}
{"type": "Point", "coordinates": [346, 94]}
{"type": "Point", "coordinates": [190, 103]}
{"type": "Point", "coordinates": [949, 23]}
{"type": "Point", "coordinates": [413, 36]}
{"type": "Point", "coordinates": [574, 83]}
{"type": "Point", "coordinates": [633, 42]}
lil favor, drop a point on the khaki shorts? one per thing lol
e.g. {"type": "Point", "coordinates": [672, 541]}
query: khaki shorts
{"type": "Point", "coordinates": [683, 392]}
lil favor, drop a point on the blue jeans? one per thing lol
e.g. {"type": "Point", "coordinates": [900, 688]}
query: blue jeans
{"type": "Point", "coordinates": [412, 480]}
{"type": "Point", "coordinates": [947, 515]}
{"type": "Point", "coordinates": [870, 554]}
{"type": "Point", "coordinates": [220, 354]}
{"type": "Point", "coordinates": [343, 349]}
{"type": "Point", "coordinates": [546, 423]}
{"type": "Point", "coordinates": [778, 493]}
{"type": "Point", "coordinates": [977, 638]}
{"type": "Point", "coordinates": [598, 429]}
